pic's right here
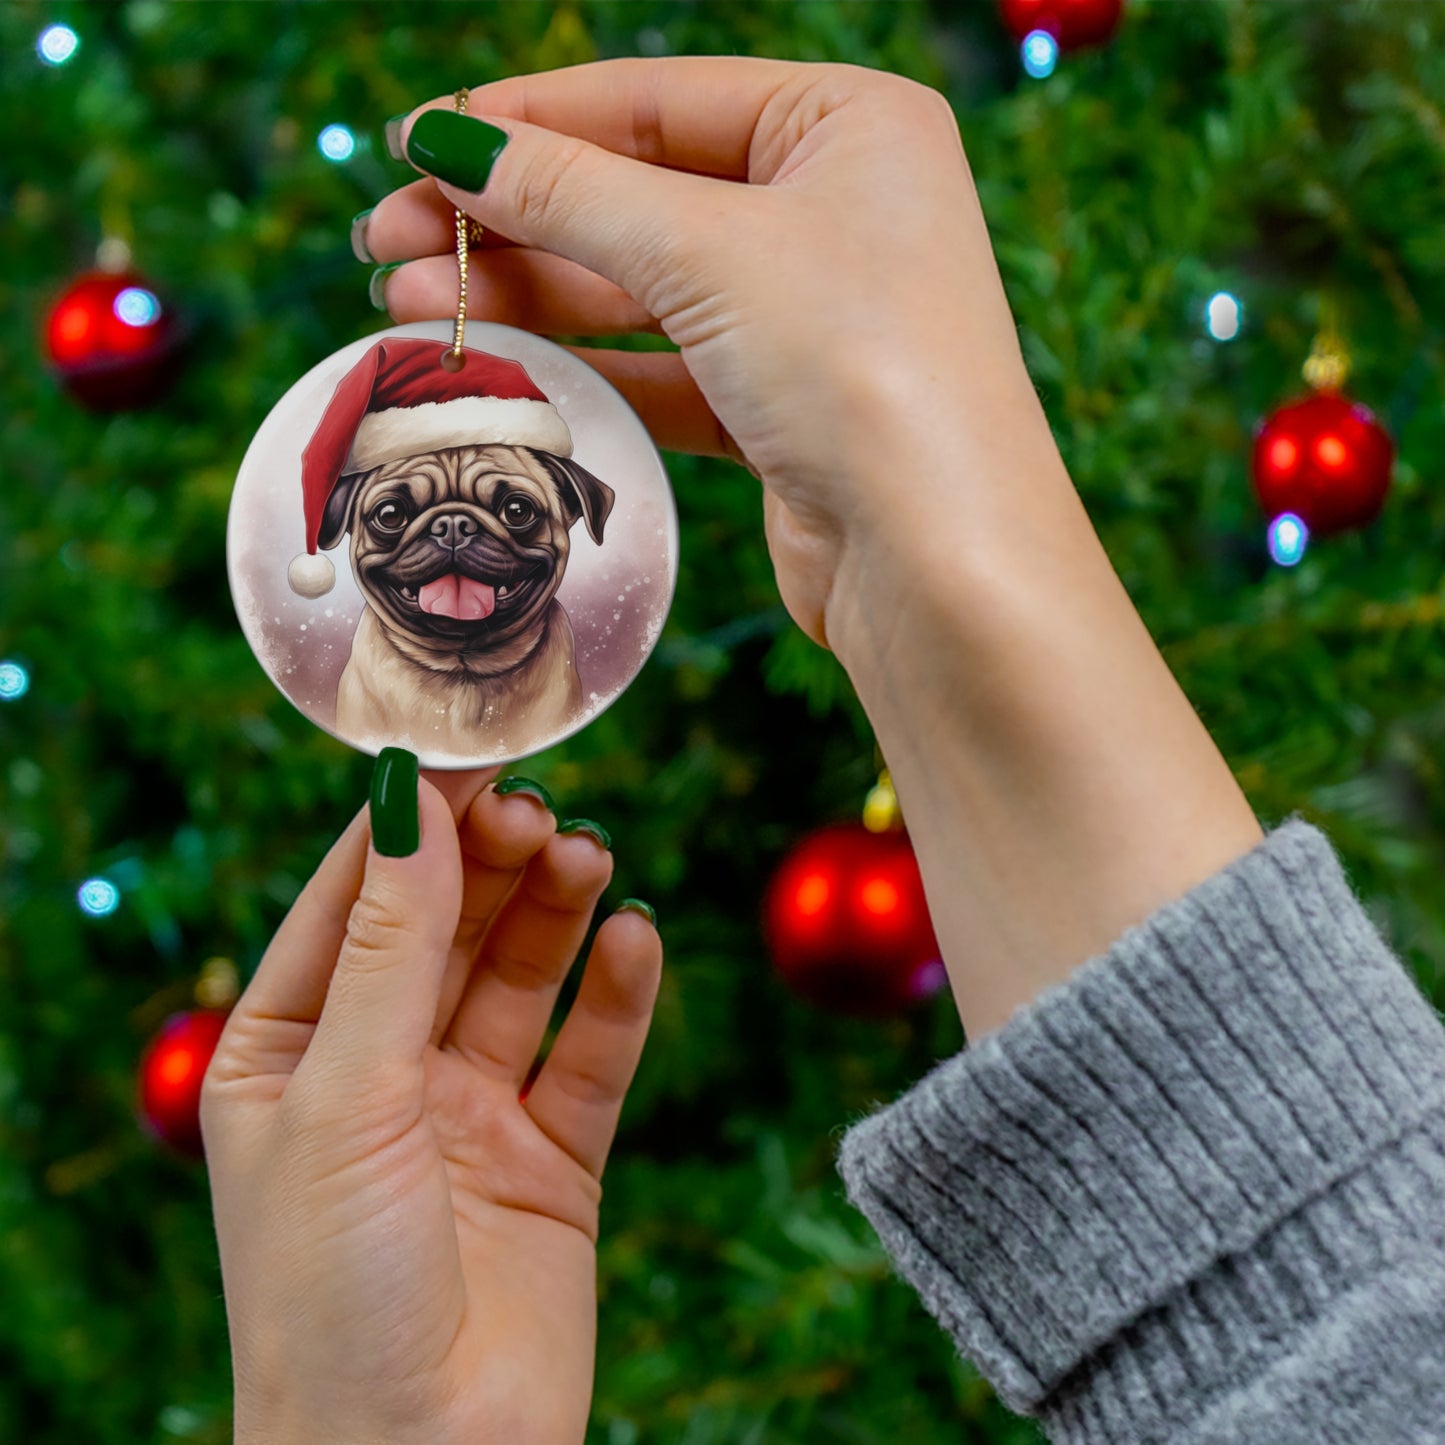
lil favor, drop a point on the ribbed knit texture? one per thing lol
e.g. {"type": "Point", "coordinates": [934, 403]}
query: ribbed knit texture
{"type": "Point", "coordinates": [1197, 1191]}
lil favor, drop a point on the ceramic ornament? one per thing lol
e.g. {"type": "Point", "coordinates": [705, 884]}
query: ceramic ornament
{"type": "Point", "coordinates": [469, 561]}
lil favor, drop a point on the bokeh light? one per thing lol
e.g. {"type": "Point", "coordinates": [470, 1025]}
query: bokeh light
{"type": "Point", "coordinates": [336, 143]}
{"type": "Point", "coordinates": [813, 894]}
{"type": "Point", "coordinates": [1040, 53]}
{"type": "Point", "coordinates": [14, 681]}
{"type": "Point", "coordinates": [1288, 538]}
{"type": "Point", "coordinates": [1223, 316]}
{"type": "Point", "coordinates": [137, 307]}
{"type": "Point", "coordinates": [57, 44]}
{"type": "Point", "coordinates": [98, 897]}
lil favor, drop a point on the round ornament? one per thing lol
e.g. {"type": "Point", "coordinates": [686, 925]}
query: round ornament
{"type": "Point", "coordinates": [847, 923]}
{"type": "Point", "coordinates": [1325, 459]}
{"type": "Point", "coordinates": [1073, 23]}
{"type": "Point", "coordinates": [467, 561]}
{"type": "Point", "coordinates": [172, 1070]}
{"type": "Point", "coordinates": [111, 340]}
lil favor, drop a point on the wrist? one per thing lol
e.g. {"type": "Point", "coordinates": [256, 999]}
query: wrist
{"type": "Point", "coordinates": [1057, 784]}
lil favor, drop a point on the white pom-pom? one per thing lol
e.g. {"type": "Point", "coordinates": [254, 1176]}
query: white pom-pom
{"type": "Point", "coordinates": [311, 576]}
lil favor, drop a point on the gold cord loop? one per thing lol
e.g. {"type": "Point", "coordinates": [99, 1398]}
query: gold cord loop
{"type": "Point", "coordinates": [469, 232]}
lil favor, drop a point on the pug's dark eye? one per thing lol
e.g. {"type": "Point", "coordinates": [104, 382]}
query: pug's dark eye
{"type": "Point", "coordinates": [390, 517]}
{"type": "Point", "coordinates": [518, 512]}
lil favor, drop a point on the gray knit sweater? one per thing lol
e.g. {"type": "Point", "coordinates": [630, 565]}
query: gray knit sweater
{"type": "Point", "coordinates": [1196, 1192]}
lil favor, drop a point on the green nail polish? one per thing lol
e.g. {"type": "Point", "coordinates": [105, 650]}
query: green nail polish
{"type": "Point", "coordinates": [359, 248]}
{"type": "Point", "coordinates": [455, 148]}
{"type": "Point", "coordinates": [636, 905]}
{"type": "Point", "coordinates": [392, 132]}
{"type": "Point", "coordinates": [515, 784]}
{"type": "Point", "coordinates": [376, 288]}
{"type": "Point", "coordinates": [395, 814]}
{"type": "Point", "coordinates": [586, 825]}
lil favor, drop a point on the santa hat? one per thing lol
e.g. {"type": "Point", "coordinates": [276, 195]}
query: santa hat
{"type": "Point", "coordinates": [399, 401]}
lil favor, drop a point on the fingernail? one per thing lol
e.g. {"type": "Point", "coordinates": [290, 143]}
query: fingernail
{"type": "Point", "coordinates": [636, 905]}
{"type": "Point", "coordinates": [359, 248]}
{"type": "Point", "coordinates": [455, 148]}
{"type": "Point", "coordinates": [395, 813]}
{"type": "Point", "coordinates": [515, 784]}
{"type": "Point", "coordinates": [376, 288]}
{"type": "Point", "coordinates": [393, 136]}
{"type": "Point", "coordinates": [586, 825]}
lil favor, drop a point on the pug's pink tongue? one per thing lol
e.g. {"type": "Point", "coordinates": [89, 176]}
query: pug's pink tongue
{"type": "Point", "coordinates": [459, 597]}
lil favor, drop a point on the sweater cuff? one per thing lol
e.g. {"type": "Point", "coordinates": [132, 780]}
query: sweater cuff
{"type": "Point", "coordinates": [1233, 1058]}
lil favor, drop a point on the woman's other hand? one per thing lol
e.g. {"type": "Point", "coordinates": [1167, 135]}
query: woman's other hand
{"type": "Point", "coordinates": [407, 1243]}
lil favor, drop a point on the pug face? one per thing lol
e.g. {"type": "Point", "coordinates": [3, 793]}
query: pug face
{"type": "Point", "coordinates": [460, 552]}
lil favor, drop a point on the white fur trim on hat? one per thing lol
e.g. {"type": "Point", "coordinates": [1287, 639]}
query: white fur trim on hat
{"type": "Point", "coordinates": [311, 575]}
{"type": "Point", "coordinates": [405, 431]}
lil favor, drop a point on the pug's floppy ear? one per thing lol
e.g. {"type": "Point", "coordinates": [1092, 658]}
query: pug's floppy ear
{"type": "Point", "coordinates": [582, 494]}
{"type": "Point", "coordinates": [336, 517]}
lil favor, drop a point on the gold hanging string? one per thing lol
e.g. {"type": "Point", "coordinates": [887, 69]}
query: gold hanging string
{"type": "Point", "coordinates": [468, 232]}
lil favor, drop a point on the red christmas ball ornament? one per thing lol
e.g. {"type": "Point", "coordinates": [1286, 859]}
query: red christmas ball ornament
{"type": "Point", "coordinates": [1324, 458]}
{"type": "Point", "coordinates": [112, 341]}
{"type": "Point", "coordinates": [847, 923]}
{"type": "Point", "coordinates": [171, 1071]}
{"type": "Point", "coordinates": [1073, 23]}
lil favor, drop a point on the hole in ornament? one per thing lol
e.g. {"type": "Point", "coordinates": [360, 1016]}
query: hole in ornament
{"type": "Point", "coordinates": [1331, 451]}
{"type": "Point", "coordinates": [453, 361]}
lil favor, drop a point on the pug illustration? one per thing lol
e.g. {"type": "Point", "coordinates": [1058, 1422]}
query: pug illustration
{"type": "Point", "coordinates": [459, 493]}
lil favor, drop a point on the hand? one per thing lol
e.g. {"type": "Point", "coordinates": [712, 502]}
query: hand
{"type": "Point", "coordinates": [408, 1248]}
{"type": "Point", "coordinates": [842, 302]}
{"type": "Point", "coordinates": [843, 329]}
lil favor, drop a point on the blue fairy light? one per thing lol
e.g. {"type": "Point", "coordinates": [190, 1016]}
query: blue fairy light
{"type": "Point", "coordinates": [14, 681]}
{"type": "Point", "coordinates": [1223, 316]}
{"type": "Point", "coordinates": [1040, 52]}
{"type": "Point", "coordinates": [336, 143]}
{"type": "Point", "coordinates": [1288, 537]}
{"type": "Point", "coordinates": [137, 307]}
{"type": "Point", "coordinates": [57, 44]}
{"type": "Point", "coordinates": [98, 897]}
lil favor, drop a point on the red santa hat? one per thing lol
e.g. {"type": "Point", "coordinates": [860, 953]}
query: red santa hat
{"type": "Point", "coordinates": [399, 401]}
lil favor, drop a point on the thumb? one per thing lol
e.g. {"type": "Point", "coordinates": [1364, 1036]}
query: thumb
{"type": "Point", "coordinates": [634, 224]}
{"type": "Point", "coordinates": [382, 1000]}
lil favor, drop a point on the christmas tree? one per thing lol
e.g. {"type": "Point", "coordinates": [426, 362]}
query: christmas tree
{"type": "Point", "coordinates": [1179, 215]}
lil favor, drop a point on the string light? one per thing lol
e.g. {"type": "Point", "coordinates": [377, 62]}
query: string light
{"type": "Point", "coordinates": [98, 897]}
{"type": "Point", "coordinates": [1040, 52]}
{"type": "Point", "coordinates": [57, 44]}
{"type": "Point", "coordinates": [1288, 537]}
{"type": "Point", "coordinates": [14, 681]}
{"type": "Point", "coordinates": [137, 307]}
{"type": "Point", "coordinates": [1223, 316]}
{"type": "Point", "coordinates": [336, 143]}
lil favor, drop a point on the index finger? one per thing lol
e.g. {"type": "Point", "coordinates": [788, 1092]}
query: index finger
{"type": "Point", "coordinates": [696, 113]}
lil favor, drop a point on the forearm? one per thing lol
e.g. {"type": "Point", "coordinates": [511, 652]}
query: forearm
{"type": "Point", "coordinates": [1057, 784]}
